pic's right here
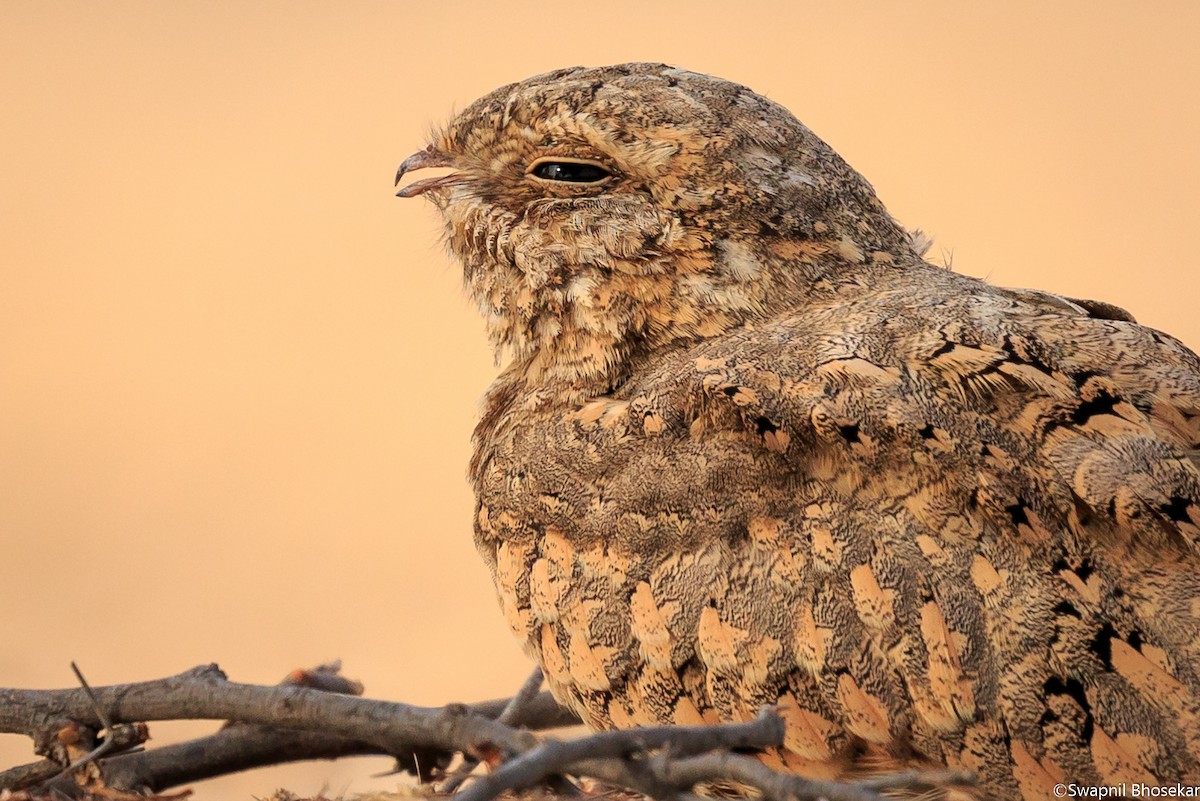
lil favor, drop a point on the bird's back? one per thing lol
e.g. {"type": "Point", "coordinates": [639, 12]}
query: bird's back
{"type": "Point", "coordinates": [939, 523]}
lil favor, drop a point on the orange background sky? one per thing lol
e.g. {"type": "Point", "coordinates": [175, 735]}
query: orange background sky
{"type": "Point", "coordinates": [238, 378]}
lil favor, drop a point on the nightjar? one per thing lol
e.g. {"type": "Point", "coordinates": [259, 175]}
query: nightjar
{"type": "Point", "coordinates": [750, 448]}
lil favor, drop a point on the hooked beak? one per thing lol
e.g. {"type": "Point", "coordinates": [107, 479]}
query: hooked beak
{"type": "Point", "coordinates": [429, 157]}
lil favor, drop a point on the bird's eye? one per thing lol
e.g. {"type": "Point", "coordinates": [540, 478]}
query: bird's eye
{"type": "Point", "coordinates": [573, 172]}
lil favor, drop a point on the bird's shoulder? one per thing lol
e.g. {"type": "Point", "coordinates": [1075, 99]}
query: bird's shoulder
{"type": "Point", "coordinates": [1041, 411]}
{"type": "Point", "coordinates": [1009, 408]}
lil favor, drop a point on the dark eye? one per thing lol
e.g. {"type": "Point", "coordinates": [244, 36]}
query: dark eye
{"type": "Point", "coordinates": [575, 172]}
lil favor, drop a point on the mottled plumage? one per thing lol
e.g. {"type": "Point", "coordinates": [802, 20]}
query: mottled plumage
{"type": "Point", "coordinates": [750, 448]}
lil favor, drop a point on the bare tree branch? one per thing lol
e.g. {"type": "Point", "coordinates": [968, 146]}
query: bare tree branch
{"type": "Point", "coordinates": [23, 776]}
{"type": "Point", "coordinates": [229, 751]}
{"type": "Point", "coordinates": [243, 747]}
{"type": "Point", "coordinates": [317, 715]}
{"type": "Point", "coordinates": [205, 693]}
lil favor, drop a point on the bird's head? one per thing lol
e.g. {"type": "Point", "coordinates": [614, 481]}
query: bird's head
{"type": "Point", "coordinates": [601, 214]}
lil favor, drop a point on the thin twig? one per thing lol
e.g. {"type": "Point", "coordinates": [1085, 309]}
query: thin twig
{"type": "Point", "coordinates": [512, 715]}
{"type": "Point", "coordinates": [519, 703]}
{"type": "Point", "coordinates": [104, 719]}
{"type": "Point", "coordinates": [114, 741]}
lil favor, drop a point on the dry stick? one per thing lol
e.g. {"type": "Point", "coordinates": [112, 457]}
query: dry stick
{"type": "Point", "coordinates": [555, 757]}
{"type": "Point", "coordinates": [228, 751]}
{"type": "Point", "coordinates": [126, 739]}
{"type": "Point", "coordinates": [23, 776]}
{"type": "Point", "coordinates": [514, 713]}
{"type": "Point", "coordinates": [239, 746]}
{"type": "Point", "coordinates": [204, 693]}
{"type": "Point", "coordinates": [244, 747]}
{"type": "Point", "coordinates": [231, 750]}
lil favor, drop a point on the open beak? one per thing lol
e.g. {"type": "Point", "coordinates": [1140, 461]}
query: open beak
{"type": "Point", "coordinates": [419, 161]}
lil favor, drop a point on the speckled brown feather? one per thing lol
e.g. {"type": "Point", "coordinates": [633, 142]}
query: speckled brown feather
{"type": "Point", "coordinates": [751, 449]}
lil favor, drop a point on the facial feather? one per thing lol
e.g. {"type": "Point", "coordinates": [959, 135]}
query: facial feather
{"type": "Point", "coordinates": [675, 244]}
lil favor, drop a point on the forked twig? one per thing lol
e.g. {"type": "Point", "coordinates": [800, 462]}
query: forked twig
{"type": "Point", "coordinates": [512, 715]}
